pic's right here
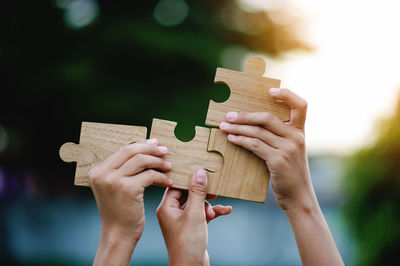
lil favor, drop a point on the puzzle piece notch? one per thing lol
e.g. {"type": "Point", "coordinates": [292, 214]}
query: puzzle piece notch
{"type": "Point", "coordinates": [244, 175]}
{"type": "Point", "coordinates": [249, 93]}
{"type": "Point", "coordinates": [186, 157]}
{"type": "Point", "coordinates": [97, 142]}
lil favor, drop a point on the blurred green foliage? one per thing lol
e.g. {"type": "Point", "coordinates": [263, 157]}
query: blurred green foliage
{"type": "Point", "coordinates": [123, 67]}
{"type": "Point", "coordinates": [372, 188]}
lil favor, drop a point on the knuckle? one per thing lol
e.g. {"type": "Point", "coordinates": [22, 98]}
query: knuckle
{"type": "Point", "coordinates": [127, 150]}
{"type": "Point", "coordinates": [108, 182]}
{"type": "Point", "coordinates": [300, 140]}
{"type": "Point", "coordinates": [255, 143]}
{"type": "Point", "coordinates": [140, 158]}
{"type": "Point", "coordinates": [259, 131]}
{"type": "Point", "coordinates": [267, 116]}
{"type": "Point", "coordinates": [198, 189]}
{"type": "Point", "coordinates": [279, 161]}
{"type": "Point", "coordinates": [303, 105]}
{"type": "Point", "coordinates": [95, 175]}
{"type": "Point", "coordinates": [291, 149]}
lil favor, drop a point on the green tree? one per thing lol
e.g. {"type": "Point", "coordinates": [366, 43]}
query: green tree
{"type": "Point", "coordinates": [116, 62]}
{"type": "Point", "coordinates": [372, 187]}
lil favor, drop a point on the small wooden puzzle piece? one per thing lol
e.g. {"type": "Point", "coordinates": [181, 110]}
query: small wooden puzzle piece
{"type": "Point", "coordinates": [249, 93]}
{"type": "Point", "coordinates": [243, 175]}
{"type": "Point", "coordinates": [186, 157]}
{"type": "Point", "coordinates": [97, 142]}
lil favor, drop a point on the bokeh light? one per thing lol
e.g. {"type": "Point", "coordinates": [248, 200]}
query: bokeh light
{"type": "Point", "coordinates": [171, 12]}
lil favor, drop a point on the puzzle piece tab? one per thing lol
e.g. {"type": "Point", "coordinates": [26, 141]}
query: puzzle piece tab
{"type": "Point", "coordinates": [97, 142]}
{"type": "Point", "coordinates": [186, 157]}
{"type": "Point", "coordinates": [249, 93]}
{"type": "Point", "coordinates": [243, 175]}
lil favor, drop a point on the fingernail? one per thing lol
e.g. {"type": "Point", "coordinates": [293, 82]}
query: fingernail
{"type": "Point", "coordinates": [152, 141]}
{"type": "Point", "coordinates": [231, 137]}
{"type": "Point", "coordinates": [170, 181]}
{"type": "Point", "coordinates": [224, 125]}
{"type": "Point", "coordinates": [163, 149]}
{"type": "Point", "coordinates": [274, 91]}
{"type": "Point", "coordinates": [231, 115]}
{"type": "Point", "coordinates": [168, 164]}
{"type": "Point", "coordinates": [200, 177]}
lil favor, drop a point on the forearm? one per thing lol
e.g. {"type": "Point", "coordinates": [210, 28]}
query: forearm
{"type": "Point", "coordinates": [114, 249]}
{"type": "Point", "coordinates": [314, 240]}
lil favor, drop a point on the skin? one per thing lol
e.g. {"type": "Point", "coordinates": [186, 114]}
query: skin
{"type": "Point", "coordinates": [118, 184]}
{"type": "Point", "coordinates": [183, 221]}
{"type": "Point", "coordinates": [282, 147]}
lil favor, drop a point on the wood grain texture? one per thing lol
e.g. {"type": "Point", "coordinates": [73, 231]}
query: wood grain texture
{"type": "Point", "coordinates": [97, 142]}
{"type": "Point", "coordinates": [186, 157]}
{"type": "Point", "coordinates": [243, 175]}
{"type": "Point", "coordinates": [249, 93]}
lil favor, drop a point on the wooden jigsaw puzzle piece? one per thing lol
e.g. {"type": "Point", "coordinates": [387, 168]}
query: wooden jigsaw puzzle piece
{"type": "Point", "coordinates": [249, 93]}
{"type": "Point", "coordinates": [186, 157]}
{"type": "Point", "coordinates": [243, 175]}
{"type": "Point", "coordinates": [97, 142]}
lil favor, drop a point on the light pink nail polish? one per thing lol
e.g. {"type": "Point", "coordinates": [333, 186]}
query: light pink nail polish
{"type": "Point", "coordinates": [168, 164]}
{"type": "Point", "coordinates": [231, 137]}
{"type": "Point", "coordinates": [224, 125]}
{"type": "Point", "coordinates": [274, 91]}
{"type": "Point", "coordinates": [152, 141]}
{"type": "Point", "coordinates": [231, 115]}
{"type": "Point", "coordinates": [163, 149]}
{"type": "Point", "coordinates": [200, 176]}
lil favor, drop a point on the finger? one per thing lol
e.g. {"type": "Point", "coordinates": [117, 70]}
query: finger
{"type": "Point", "coordinates": [263, 119]}
{"type": "Point", "coordinates": [221, 210]}
{"type": "Point", "coordinates": [139, 162]}
{"type": "Point", "coordinates": [171, 198]}
{"type": "Point", "coordinates": [128, 151]}
{"type": "Point", "coordinates": [298, 105]}
{"type": "Point", "coordinates": [210, 214]}
{"type": "Point", "coordinates": [254, 145]}
{"type": "Point", "coordinates": [197, 195]}
{"type": "Point", "coordinates": [151, 177]}
{"type": "Point", "coordinates": [252, 131]}
{"type": "Point", "coordinates": [218, 211]}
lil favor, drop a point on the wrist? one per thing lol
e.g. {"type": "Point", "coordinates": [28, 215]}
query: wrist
{"type": "Point", "coordinates": [182, 257]}
{"type": "Point", "coordinates": [115, 247]}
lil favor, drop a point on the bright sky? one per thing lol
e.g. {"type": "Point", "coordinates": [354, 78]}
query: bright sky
{"type": "Point", "coordinates": [352, 78]}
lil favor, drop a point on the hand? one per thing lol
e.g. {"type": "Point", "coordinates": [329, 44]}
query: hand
{"type": "Point", "coordinates": [183, 220]}
{"type": "Point", "coordinates": [281, 145]}
{"type": "Point", "coordinates": [118, 184]}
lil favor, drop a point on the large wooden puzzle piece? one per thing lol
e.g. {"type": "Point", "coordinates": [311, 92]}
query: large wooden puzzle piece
{"type": "Point", "coordinates": [186, 157]}
{"type": "Point", "coordinates": [249, 93]}
{"type": "Point", "coordinates": [243, 175]}
{"type": "Point", "coordinates": [97, 142]}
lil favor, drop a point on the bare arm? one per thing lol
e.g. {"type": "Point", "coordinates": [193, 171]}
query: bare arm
{"type": "Point", "coordinates": [118, 184]}
{"type": "Point", "coordinates": [282, 146]}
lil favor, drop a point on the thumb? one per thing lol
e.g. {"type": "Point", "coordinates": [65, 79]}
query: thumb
{"type": "Point", "coordinates": [197, 193]}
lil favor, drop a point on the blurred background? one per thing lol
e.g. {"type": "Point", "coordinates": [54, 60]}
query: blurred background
{"type": "Point", "coordinates": [67, 61]}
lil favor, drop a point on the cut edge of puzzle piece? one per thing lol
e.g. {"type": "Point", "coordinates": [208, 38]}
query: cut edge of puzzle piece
{"type": "Point", "coordinates": [98, 141]}
{"type": "Point", "coordinates": [248, 93]}
{"type": "Point", "coordinates": [243, 176]}
{"type": "Point", "coordinates": [186, 157]}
